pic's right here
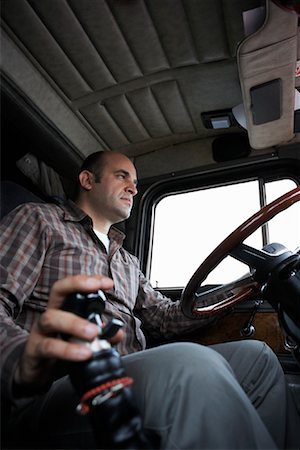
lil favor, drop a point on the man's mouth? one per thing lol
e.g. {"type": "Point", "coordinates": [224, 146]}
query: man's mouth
{"type": "Point", "coordinates": [127, 200]}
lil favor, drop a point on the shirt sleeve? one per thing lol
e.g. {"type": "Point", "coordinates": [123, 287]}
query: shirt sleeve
{"type": "Point", "coordinates": [23, 245]}
{"type": "Point", "coordinates": [161, 316]}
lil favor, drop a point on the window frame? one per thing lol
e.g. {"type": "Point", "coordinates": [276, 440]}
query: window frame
{"type": "Point", "coordinates": [265, 169]}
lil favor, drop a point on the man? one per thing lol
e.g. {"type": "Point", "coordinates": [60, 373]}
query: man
{"type": "Point", "coordinates": [229, 396]}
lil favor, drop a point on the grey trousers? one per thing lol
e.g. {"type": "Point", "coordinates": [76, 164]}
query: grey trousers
{"type": "Point", "coordinates": [228, 396]}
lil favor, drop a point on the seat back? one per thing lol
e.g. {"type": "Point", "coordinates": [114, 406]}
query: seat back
{"type": "Point", "coordinates": [13, 195]}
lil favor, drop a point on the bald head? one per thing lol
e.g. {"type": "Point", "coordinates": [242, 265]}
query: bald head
{"type": "Point", "coordinates": [95, 163]}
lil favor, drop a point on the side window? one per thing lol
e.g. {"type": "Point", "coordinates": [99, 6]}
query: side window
{"type": "Point", "coordinates": [188, 226]}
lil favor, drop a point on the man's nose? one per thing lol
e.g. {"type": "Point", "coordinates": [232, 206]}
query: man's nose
{"type": "Point", "coordinates": [131, 187]}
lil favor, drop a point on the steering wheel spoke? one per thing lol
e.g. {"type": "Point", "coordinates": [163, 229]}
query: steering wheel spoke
{"type": "Point", "coordinates": [219, 298]}
{"type": "Point", "coordinates": [249, 255]}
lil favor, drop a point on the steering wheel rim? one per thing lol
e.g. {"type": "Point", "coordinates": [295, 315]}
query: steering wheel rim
{"type": "Point", "coordinates": [246, 286]}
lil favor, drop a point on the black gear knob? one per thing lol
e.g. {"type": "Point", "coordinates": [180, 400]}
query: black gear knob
{"type": "Point", "coordinates": [102, 384]}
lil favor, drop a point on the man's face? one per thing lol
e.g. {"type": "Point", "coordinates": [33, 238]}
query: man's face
{"type": "Point", "coordinates": [112, 197]}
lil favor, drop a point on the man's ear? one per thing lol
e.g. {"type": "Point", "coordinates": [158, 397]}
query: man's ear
{"type": "Point", "coordinates": [86, 179]}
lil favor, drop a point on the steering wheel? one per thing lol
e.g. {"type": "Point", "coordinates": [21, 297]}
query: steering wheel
{"type": "Point", "coordinates": [196, 302]}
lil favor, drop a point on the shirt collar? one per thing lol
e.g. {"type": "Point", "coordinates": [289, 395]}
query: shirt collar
{"type": "Point", "coordinates": [74, 214]}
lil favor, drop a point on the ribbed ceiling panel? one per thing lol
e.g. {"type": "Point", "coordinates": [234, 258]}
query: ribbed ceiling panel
{"type": "Point", "coordinates": [103, 123]}
{"type": "Point", "coordinates": [74, 41]}
{"type": "Point", "coordinates": [173, 106]}
{"type": "Point", "coordinates": [156, 111]}
{"type": "Point", "coordinates": [149, 112]}
{"type": "Point", "coordinates": [170, 22]}
{"type": "Point", "coordinates": [107, 42]}
{"type": "Point", "coordinates": [134, 71]}
{"type": "Point", "coordinates": [136, 24]}
{"type": "Point", "coordinates": [104, 32]}
{"type": "Point", "coordinates": [207, 27]}
{"type": "Point", "coordinates": [126, 117]}
{"type": "Point", "coordinates": [33, 33]}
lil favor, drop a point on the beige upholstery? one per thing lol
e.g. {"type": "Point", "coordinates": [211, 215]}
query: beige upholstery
{"type": "Point", "coordinates": [269, 54]}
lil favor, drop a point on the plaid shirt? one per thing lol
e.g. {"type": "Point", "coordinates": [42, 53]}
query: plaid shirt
{"type": "Point", "coordinates": [41, 243]}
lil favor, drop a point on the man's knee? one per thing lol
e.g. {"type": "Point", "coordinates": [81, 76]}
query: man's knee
{"type": "Point", "coordinates": [194, 356]}
{"type": "Point", "coordinates": [178, 361]}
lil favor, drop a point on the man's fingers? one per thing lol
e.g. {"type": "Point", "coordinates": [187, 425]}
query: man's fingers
{"type": "Point", "coordinates": [77, 283]}
{"type": "Point", "coordinates": [47, 341]}
{"type": "Point", "coordinates": [46, 344]}
{"type": "Point", "coordinates": [49, 348]}
{"type": "Point", "coordinates": [54, 321]}
{"type": "Point", "coordinates": [53, 347]}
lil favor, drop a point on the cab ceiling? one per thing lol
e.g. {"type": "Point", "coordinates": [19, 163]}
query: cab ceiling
{"type": "Point", "coordinates": [132, 76]}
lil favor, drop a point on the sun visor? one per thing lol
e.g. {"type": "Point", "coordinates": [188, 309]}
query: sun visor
{"type": "Point", "coordinates": [267, 62]}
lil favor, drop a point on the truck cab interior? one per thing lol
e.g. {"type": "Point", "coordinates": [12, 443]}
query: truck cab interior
{"type": "Point", "coordinates": [203, 96]}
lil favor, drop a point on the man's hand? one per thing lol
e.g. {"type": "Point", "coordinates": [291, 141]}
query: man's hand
{"type": "Point", "coordinates": [45, 345]}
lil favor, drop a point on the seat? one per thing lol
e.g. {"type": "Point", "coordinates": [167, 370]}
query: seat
{"type": "Point", "coordinates": [13, 195]}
